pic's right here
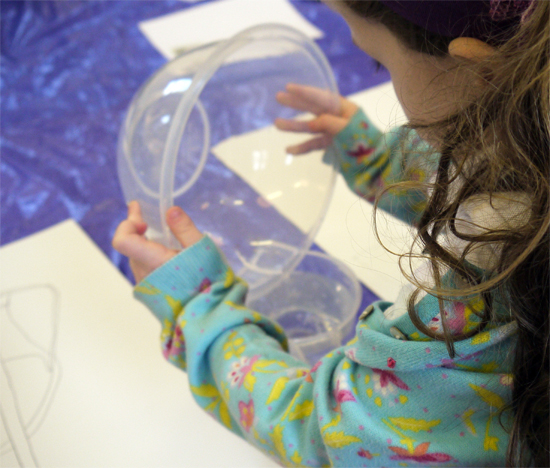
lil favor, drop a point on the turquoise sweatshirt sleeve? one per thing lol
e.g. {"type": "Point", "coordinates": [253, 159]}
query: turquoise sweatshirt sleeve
{"type": "Point", "coordinates": [390, 397]}
{"type": "Point", "coordinates": [370, 161]}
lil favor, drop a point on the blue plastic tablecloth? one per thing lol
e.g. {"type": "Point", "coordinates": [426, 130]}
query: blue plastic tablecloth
{"type": "Point", "coordinates": [68, 73]}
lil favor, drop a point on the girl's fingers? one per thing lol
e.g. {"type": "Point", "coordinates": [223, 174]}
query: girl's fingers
{"type": "Point", "coordinates": [298, 103]}
{"type": "Point", "coordinates": [134, 216]}
{"type": "Point", "coordinates": [129, 235]}
{"type": "Point", "coordinates": [149, 255]}
{"type": "Point", "coordinates": [308, 99]}
{"type": "Point", "coordinates": [320, 142]}
{"type": "Point", "coordinates": [347, 108]}
{"type": "Point", "coordinates": [128, 240]}
{"type": "Point", "coordinates": [134, 212]}
{"type": "Point", "coordinates": [182, 227]}
{"type": "Point", "coordinates": [325, 123]}
{"type": "Point", "coordinates": [291, 125]}
{"type": "Point", "coordinates": [323, 99]}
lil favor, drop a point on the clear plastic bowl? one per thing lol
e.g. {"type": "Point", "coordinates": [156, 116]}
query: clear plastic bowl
{"type": "Point", "coordinates": [317, 309]}
{"type": "Point", "coordinates": [180, 145]}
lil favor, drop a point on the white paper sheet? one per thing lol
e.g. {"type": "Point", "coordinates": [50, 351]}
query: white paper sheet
{"type": "Point", "coordinates": [347, 230]}
{"type": "Point", "coordinates": [202, 24]}
{"type": "Point", "coordinates": [83, 382]}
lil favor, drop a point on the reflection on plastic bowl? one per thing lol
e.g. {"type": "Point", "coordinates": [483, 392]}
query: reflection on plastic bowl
{"type": "Point", "coordinates": [177, 86]}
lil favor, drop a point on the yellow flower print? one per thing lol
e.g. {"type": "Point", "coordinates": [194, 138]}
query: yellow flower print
{"type": "Point", "coordinates": [339, 439]}
{"type": "Point", "coordinates": [489, 367]}
{"type": "Point", "coordinates": [415, 425]}
{"type": "Point", "coordinates": [494, 401]}
{"type": "Point", "coordinates": [506, 380]}
{"type": "Point", "coordinates": [277, 440]}
{"type": "Point", "coordinates": [466, 418]}
{"type": "Point", "coordinates": [481, 338]}
{"type": "Point", "coordinates": [417, 175]}
{"type": "Point", "coordinates": [416, 337]}
{"type": "Point", "coordinates": [234, 346]}
{"type": "Point", "coordinates": [229, 278]}
{"type": "Point", "coordinates": [235, 306]}
{"type": "Point", "coordinates": [354, 340]}
{"type": "Point", "coordinates": [210, 391]}
{"type": "Point", "coordinates": [362, 179]}
{"type": "Point", "coordinates": [243, 371]}
{"type": "Point", "coordinates": [302, 410]}
{"type": "Point", "coordinates": [490, 398]}
{"type": "Point", "coordinates": [405, 440]}
{"type": "Point", "coordinates": [386, 172]}
{"type": "Point", "coordinates": [147, 288]}
{"type": "Point", "coordinates": [174, 304]}
{"type": "Point", "coordinates": [490, 443]}
{"type": "Point", "coordinates": [167, 330]}
{"type": "Point", "coordinates": [296, 458]}
{"type": "Point", "coordinates": [256, 316]}
{"type": "Point", "coordinates": [382, 159]}
{"type": "Point", "coordinates": [277, 389]}
{"type": "Point", "coordinates": [419, 207]}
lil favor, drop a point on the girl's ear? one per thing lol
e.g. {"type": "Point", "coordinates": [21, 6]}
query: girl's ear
{"type": "Point", "coordinates": [469, 48]}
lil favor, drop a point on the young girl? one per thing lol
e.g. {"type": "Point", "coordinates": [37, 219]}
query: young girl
{"type": "Point", "coordinates": [455, 371]}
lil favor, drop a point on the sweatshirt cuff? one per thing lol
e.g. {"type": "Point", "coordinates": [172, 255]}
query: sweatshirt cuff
{"type": "Point", "coordinates": [168, 288]}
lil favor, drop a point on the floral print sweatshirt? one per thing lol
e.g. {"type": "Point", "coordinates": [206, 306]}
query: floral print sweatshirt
{"type": "Point", "coordinates": [390, 397]}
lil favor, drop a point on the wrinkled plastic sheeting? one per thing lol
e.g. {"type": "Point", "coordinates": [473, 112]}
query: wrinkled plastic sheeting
{"type": "Point", "coordinates": [68, 73]}
{"type": "Point", "coordinates": [69, 70]}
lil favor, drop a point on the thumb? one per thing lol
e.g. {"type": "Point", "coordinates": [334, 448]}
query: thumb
{"type": "Point", "coordinates": [182, 227]}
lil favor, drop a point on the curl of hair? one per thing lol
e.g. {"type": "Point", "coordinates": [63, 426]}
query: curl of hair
{"type": "Point", "coordinates": [509, 124]}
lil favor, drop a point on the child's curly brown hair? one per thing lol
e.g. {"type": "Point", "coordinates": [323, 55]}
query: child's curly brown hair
{"type": "Point", "coordinates": [497, 144]}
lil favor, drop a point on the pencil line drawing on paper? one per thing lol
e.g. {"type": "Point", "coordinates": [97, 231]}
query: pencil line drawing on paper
{"type": "Point", "coordinates": [29, 369]}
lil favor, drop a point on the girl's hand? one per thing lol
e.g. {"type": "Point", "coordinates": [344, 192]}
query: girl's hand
{"type": "Point", "coordinates": [145, 255]}
{"type": "Point", "coordinates": [332, 111]}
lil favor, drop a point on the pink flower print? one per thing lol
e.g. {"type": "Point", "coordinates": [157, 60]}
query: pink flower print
{"type": "Point", "coordinates": [456, 320]}
{"type": "Point", "coordinates": [364, 124]}
{"type": "Point", "coordinates": [204, 287]}
{"type": "Point", "coordinates": [311, 371]}
{"type": "Point", "coordinates": [435, 324]}
{"type": "Point", "coordinates": [420, 454]}
{"type": "Point", "coordinates": [469, 357]}
{"type": "Point", "coordinates": [365, 454]}
{"type": "Point", "coordinates": [386, 382]}
{"type": "Point", "coordinates": [246, 414]}
{"type": "Point", "coordinates": [316, 366]}
{"type": "Point", "coordinates": [175, 344]}
{"type": "Point", "coordinates": [350, 353]}
{"type": "Point", "coordinates": [234, 375]}
{"type": "Point", "coordinates": [448, 363]}
{"type": "Point", "coordinates": [391, 363]}
{"type": "Point", "coordinates": [240, 369]}
{"type": "Point", "coordinates": [360, 151]}
{"type": "Point", "coordinates": [342, 395]}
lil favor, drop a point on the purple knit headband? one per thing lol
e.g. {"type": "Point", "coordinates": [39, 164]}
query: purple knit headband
{"type": "Point", "coordinates": [481, 19]}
